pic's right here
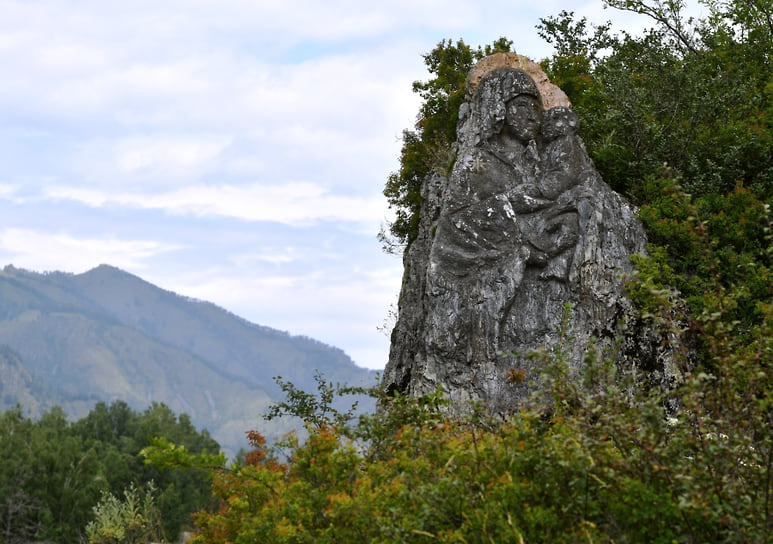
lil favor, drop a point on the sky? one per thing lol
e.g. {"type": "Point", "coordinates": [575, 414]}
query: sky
{"type": "Point", "coordinates": [233, 151]}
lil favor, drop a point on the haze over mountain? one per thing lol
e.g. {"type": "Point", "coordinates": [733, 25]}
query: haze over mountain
{"type": "Point", "coordinates": [75, 339]}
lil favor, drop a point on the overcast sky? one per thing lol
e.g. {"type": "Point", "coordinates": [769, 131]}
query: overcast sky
{"type": "Point", "coordinates": [228, 150]}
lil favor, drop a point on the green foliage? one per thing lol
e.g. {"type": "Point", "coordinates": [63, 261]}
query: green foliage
{"type": "Point", "coordinates": [54, 472]}
{"type": "Point", "coordinates": [689, 94]}
{"type": "Point", "coordinates": [714, 250]}
{"type": "Point", "coordinates": [429, 145]}
{"type": "Point", "coordinates": [317, 410]}
{"type": "Point", "coordinates": [20, 508]}
{"type": "Point", "coordinates": [163, 453]}
{"type": "Point", "coordinates": [598, 459]}
{"type": "Point", "coordinates": [135, 519]}
{"type": "Point", "coordinates": [577, 54]}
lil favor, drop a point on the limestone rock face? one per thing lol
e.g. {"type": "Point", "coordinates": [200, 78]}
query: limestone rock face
{"type": "Point", "coordinates": [523, 225]}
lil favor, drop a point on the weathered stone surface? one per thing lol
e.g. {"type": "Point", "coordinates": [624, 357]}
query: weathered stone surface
{"type": "Point", "coordinates": [523, 225]}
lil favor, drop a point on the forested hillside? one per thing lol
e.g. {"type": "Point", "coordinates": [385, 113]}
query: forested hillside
{"type": "Point", "coordinates": [71, 340]}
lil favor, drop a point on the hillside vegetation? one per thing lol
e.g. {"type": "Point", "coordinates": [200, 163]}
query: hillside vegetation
{"type": "Point", "coordinates": [104, 335]}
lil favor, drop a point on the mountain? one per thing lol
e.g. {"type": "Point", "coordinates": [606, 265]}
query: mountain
{"type": "Point", "coordinates": [18, 386]}
{"type": "Point", "coordinates": [74, 339]}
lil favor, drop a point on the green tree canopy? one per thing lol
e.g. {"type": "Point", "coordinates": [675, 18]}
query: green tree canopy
{"type": "Point", "coordinates": [54, 471]}
{"type": "Point", "coordinates": [691, 96]}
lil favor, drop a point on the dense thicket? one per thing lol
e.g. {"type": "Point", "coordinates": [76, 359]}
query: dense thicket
{"type": "Point", "coordinates": [54, 472]}
{"type": "Point", "coordinates": [597, 459]}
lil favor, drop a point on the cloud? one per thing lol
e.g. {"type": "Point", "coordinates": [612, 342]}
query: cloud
{"type": "Point", "coordinates": [174, 154]}
{"type": "Point", "coordinates": [60, 251]}
{"type": "Point", "coordinates": [330, 120]}
{"type": "Point", "coordinates": [7, 191]}
{"type": "Point", "coordinates": [274, 256]}
{"type": "Point", "coordinates": [296, 203]}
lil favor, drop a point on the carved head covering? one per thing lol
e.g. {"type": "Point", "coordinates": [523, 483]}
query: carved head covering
{"type": "Point", "coordinates": [492, 93]}
{"type": "Point", "coordinates": [517, 82]}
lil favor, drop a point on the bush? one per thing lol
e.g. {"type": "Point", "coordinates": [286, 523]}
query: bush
{"type": "Point", "coordinates": [135, 519]}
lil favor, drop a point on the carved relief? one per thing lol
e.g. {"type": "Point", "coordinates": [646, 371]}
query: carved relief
{"type": "Point", "coordinates": [522, 225]}
{"type": "Point", "coordinates": [516, 184]}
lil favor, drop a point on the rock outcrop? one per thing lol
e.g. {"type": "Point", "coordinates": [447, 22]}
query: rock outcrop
{"type": "Point", "coordinates": [522, 225]}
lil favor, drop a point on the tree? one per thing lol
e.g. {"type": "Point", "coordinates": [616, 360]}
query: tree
{"type": "Point", "coordinates": [67, 477]}
{"type": "Point", "coordinates": [54, 472]}
{"type": "Point", "coordinates": [701, 83]}
{"type": "Point", "coordinates": [19, 509]}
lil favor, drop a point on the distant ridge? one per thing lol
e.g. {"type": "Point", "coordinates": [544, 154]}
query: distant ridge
{"type": "Point", "coordinates": [106, 334]}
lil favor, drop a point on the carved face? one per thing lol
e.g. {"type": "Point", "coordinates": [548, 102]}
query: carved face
{"type": "Point", "coordinates": [522, 117]}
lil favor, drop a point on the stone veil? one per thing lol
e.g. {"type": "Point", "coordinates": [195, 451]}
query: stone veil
{"type": "Point", "coordinates": [521, 226]}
